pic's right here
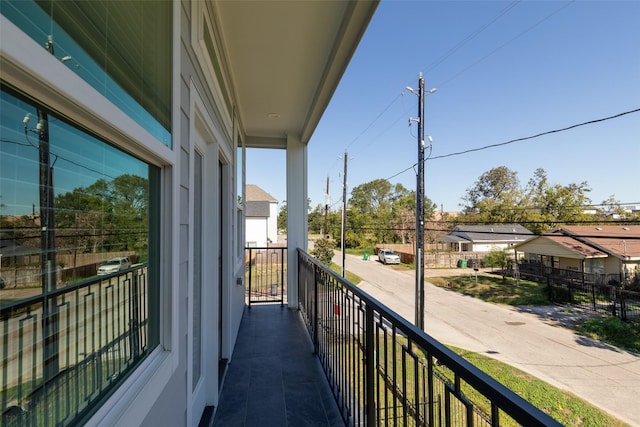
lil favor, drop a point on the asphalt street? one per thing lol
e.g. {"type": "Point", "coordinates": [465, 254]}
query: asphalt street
{"type": "Point", "coordinates": [531, 340]}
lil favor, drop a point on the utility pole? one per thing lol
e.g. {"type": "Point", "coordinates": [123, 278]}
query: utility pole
{"type": "Point", "coordinates": [47, 242]}
{"type": "Point", "coordinates": [326, 210]}
{"type": "Point", "coordinates": [419, 253]}
{"type": "Point", "coordinates": [419, 250]}
{"type": "Point", "coordinates": [344, 213]}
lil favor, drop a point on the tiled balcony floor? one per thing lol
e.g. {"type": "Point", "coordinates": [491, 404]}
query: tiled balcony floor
{"type": "Point", "coordinates": [274, 379]}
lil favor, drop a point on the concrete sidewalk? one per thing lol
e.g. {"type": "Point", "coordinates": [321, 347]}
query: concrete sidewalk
{"type": "Point", "coordinates": [530, 340]}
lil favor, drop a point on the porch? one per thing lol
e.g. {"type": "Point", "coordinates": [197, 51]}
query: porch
{"type": "Point", "coordinates": [274, 378]}
{"type": "Point", "coordinates": [309, 367]}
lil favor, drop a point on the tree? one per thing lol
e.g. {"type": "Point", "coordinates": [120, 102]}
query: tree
{"type": "Point", "coordinates": [498, 258]}
{"type": "Point", "coordinates": [493, 197]}
{"type": "Point", "coordinates": [384, 213]}
{"type": "Point", "coordinates": [107, 215]}
{"type": "Point", "coordinates": [551, 205]}
{"type": "Point", "coordinates": [497, 197]}
{"type": "Point", "coordinates": [315, 220]}
{"type": "Point", "coordinates": [282, 216]}
{"type": "Point", "coordinates": [612, 209]}
{"type": "Point", "coordinates": [323, 250]}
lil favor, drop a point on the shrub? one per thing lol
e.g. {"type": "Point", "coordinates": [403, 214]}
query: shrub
{"type": "Point", "coordinates": [323, 250]}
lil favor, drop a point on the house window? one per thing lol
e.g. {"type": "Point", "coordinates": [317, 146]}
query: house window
{"type": "Point", "coordinates": [122, 49]}
{"type": "Point", "coordinates": [69, 203]}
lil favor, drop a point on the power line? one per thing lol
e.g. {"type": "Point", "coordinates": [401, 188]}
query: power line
{"type": "Point", "coordinates": [536, 136]}
{"type": "Point", "coordinates": [59, 157]}
{"type": "Point", "coordinates": [526, 138]}
{"type": "Point", "coordinates": [470, 37]}
{"type": "Point", "coordinates": [455, 76]}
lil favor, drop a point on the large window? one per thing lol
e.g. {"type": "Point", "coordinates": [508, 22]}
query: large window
{"type": "Point", "coordinates": [121, 48]}
{"type": "Point", "coordinates": [69, 202]}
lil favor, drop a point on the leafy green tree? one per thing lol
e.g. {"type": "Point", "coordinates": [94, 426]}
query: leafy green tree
{"type": "Point", "coordinates": [323, 250]}
{"type": "Point", "coordinates": [496, 197]}
{"type": "Point", "coordinates": [554, 204]}
{"type": "Point", "coordinates": [611, 208]}
{"type": "Point", "coordinates": [498, 258]}
{"type": "Point", "coordinates": [282, 216]}
{"type": "Point", "coordinates": [493, 197]}
{"type": "Point", "coordinates": [315, 220]}
{"type": "Point", "coordinates": [107, 215]}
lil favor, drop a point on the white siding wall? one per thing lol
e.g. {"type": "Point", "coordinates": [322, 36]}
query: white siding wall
{"type": "Point", "coordinates": [272, 227]}
{"type": "Point", "coordinates": [256, 232]}
{"type": "Point", "coordinates": [173, 406]}
{"type": "Point", "coordinates": [488, 247]}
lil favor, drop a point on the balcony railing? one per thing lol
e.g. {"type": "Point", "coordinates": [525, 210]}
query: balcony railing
{"type": "Point", "coordinates": [384, 371]}
{"type": "Point", "coordinates": [65, 350]}
{"type": "Point", "coordinates": [266, 275]}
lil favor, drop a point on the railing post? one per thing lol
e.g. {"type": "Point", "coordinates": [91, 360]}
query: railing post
{"type": "Point", "coordinates": [282, 255]}
{"type": "Point", "coordinates": [315, 321]}
{"type": "Point", "coordinates": [370, 405]}
{"type": "Point", "coordinates": [623, 308]}
{"type": "Point", "coordinates": [249, 284]}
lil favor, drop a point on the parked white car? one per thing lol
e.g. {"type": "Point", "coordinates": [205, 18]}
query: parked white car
{"type": "Point", "coordinates": [114, 265]}
{"type": "Point", "coordinates": [387, 256]}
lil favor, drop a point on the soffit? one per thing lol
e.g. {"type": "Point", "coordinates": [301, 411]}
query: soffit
{"type": "Point", "coordinates": [286, 58]}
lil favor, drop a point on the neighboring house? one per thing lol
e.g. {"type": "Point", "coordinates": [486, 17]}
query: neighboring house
{"type": "Point", "coordinates": [597, 249]}
{"type": "Point", "coordinates": [261, 217]}
{"type": "Point", "coordinates": [164, 98]}
{"type": "Point", "coordinates": [13, 253]}
{"type": "Point", "coordinates": [485, 238]}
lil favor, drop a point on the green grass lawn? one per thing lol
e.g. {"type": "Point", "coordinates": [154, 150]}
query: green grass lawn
{"type": "Point", "coordinates": [563, 406]}
{"type": "Point", "coordinates": [353, 278]}
{"type": "Point", "coordinates": [494, 289]}
{"type": "Point", "coordinates": [611, 330]}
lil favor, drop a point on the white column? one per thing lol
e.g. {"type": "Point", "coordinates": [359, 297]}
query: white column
{"type": "Point", "coordinates": [296, 212]}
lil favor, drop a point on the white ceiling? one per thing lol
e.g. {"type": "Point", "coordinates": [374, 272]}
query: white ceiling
{"type": "Point", "coordinates": [285, 60]}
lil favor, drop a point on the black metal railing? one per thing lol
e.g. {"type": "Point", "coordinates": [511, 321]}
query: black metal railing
{"type": "Point", "coordinates": [611, 300]}
{"type": "Point", "coordinates": [97, 332]}
{"type": "Point", "coordinates": [266, 275]}
{"type": "Point", "coordinates": [598, 292]}
{"type": "Point", "coordinates": [384, 371]}
{"type": "Point", "coordinates": [540, 271]}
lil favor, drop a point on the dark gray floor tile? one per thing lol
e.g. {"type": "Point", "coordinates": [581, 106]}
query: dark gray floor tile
{"type": "Point", "coordinates": [273, 378]}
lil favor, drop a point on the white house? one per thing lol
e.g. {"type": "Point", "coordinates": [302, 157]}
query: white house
{"type": "Point", "coordinates": [261, 217]}
{"type": "Point", "coordinates": [485, 238]}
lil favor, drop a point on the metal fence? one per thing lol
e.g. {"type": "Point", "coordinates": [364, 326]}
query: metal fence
{"type": "Point", "coordinates": [384, 371]}
{"type": "Point", "coordinates": [537, 270]}
{"type": "Point", "coordinates": [65, 350]}
{"type": "Point", "coordinates": [598, 292]}
{"type": "Point", "coordinates": [266, 275]}
{"type": "Point", "coordinates": [611, 300]}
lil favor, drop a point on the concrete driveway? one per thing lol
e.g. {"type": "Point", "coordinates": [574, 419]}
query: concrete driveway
{"type": "Point", "coordinates": [529, 339]}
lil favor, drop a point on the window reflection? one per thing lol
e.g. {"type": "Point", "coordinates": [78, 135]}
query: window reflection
{"type": "Point", "coordinates": [99, 204]}
{"type": "Point", "coordinates": [70, 202]}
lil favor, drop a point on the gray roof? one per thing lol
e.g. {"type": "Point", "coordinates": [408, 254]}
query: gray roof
{"type": "Point", "coordinates": [492, 233]}
{"type": "Point", "coordinates": [253, 193]}
{"type": "Point", "coordinates": [257, 209]}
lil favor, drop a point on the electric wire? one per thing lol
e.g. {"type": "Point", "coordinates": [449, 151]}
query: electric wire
{"type": "Point", "coordinates": [505, 44]}
{"type": "Point", "coordinates": [512, 141]}
{"type": "Point", "coordinates": [457, 47]}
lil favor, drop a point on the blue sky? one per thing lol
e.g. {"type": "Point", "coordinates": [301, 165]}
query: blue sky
{"type": "Point", "coordinates": [503, 71]}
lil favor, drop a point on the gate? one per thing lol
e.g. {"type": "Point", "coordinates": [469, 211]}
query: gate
{"type": "Point", "coordinates": [266, 275]}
